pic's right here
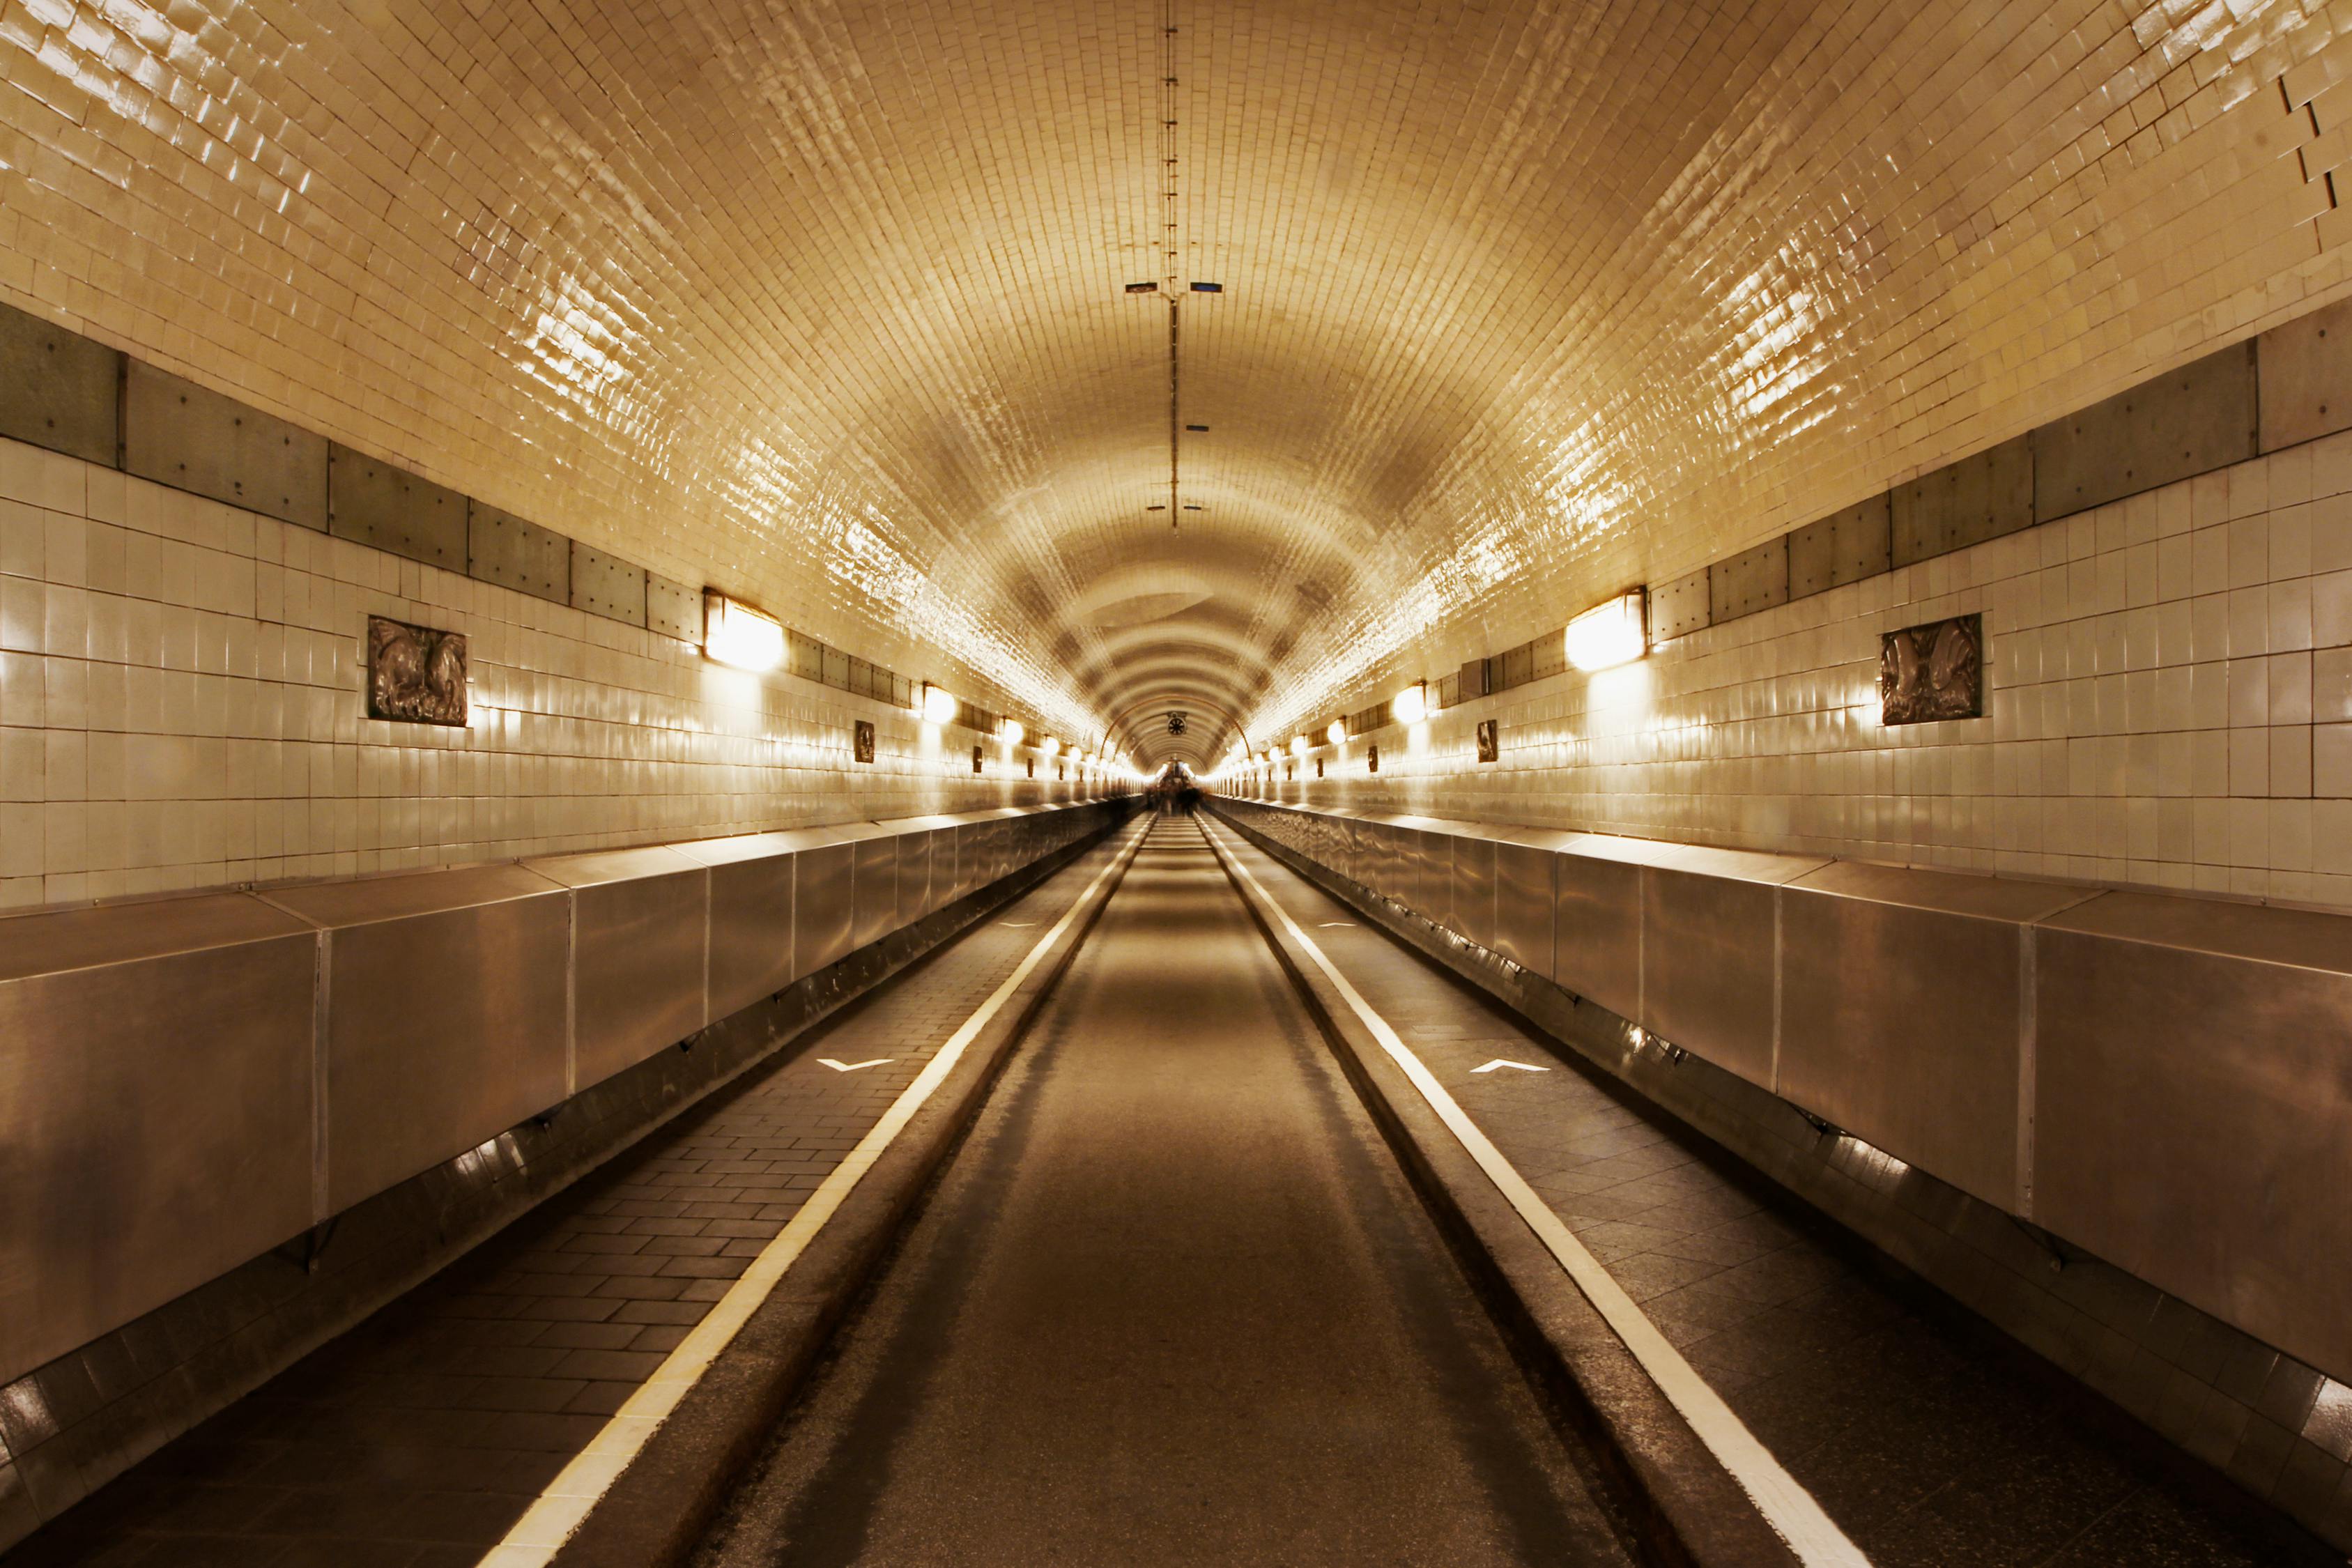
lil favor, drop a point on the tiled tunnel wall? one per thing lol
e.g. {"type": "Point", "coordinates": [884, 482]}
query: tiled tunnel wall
{"type": "Point", "coordinates": [2168, 704]}
{"type": "Point", "coordinates": [180, 707]}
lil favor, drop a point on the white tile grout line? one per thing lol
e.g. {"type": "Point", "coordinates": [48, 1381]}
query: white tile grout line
{"type": "Point", "coordinates": [564, 1504]}
{"type": "Point", "coordinates": [1787, 1507]}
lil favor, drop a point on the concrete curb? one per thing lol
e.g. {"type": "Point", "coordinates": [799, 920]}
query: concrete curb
{"type": "Point", "coordinates": [1685, 1509]}
{"type": "Point", "coordinates": [657, 1511]}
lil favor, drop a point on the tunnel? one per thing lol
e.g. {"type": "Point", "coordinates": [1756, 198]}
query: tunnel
{"type": "Point", "coordinates": [1174, 782]}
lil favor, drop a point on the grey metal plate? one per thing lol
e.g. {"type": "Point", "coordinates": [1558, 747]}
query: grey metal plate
{"type": "Point", "coordinates": [1472, 898]}
{"type": "Point", "coordinates": [1965, 502]}
{"type": "Point", "coordinates": [181, 434]}
{"type": "Point", "coordinates": [1843, 547]}
{"type": "Point", "coordinates": [2191, 1108]}
{"type": "Point", "coordinates": [1707, 968]}
{"type": "Point", "coordinates": [824, 906]}
{"type": "Point", "coordinates": [876, 893]}
{"type": "Point", "coordinates": [638, 969]}
{"type": "Point", "coordinates": [914, 877]}
{"type": "Point", "coordinates": [1597, 932]}
{"type": "Point", "coordinates": [1900, 1025]}
{"type": "Point", "coordinates": [673, 609]}
{"type": "Point", "coordinates": [751, 930]}
{"type": "Point", "coordinates": [1680, 607]}
{"type": "Point", "coordinates": [58, 389]}
{"type": "Point", "coordinates": [2184, 421]}
{"type": "Point", "coordinates": [370, 501]}
{"type": "Point", "coordinates": [1755, 580]}
{"type": "Point", "coordinates": [155, 1117]}
{"type": "Point", "coordinates": [607, 585]}
{"type": "Point", "coordinates": [2305, 367]}
{"type": "Point", "coordinates": [501, 548]}
{"type": "Point", "coordinates": [446, 1030]}
{"type": "Point", "coordinates": [1523, 906]}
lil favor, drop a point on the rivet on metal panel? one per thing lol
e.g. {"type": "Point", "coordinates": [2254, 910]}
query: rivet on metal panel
{"type": "Point", "coordinates": [59, 389]}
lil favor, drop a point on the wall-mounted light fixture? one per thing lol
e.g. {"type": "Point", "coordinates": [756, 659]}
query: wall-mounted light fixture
{"type": "Point", "coordinates": [736, 634]}
{"type": "Point", "coordinates": [1337, 733]}
{"type": "Point", "coordinates": [1013, 732]}
{"type": "Point", "coordinates": [1050, 746]}
{"type": "Point", "coordinates": [1411, 706]}
{"type": "Point", "coordinates": [939, 705]}
{"type": "Point", "coordinates": [1611, 634]}
{"type": "Point", "coordinates": [1297, 746]}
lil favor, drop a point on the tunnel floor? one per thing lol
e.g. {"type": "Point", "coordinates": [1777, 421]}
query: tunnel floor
{"type": "Point", "coordinates": [1173, 1302]}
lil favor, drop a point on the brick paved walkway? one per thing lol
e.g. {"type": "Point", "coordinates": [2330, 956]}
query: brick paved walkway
{"type": "Point", "coordinates": [415, 1440]}
{"type": "Point", "coordinates": [1930, 1438]}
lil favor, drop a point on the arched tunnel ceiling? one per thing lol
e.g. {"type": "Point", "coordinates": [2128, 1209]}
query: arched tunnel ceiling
{"type": "Point", "coordinates": [825, 303]}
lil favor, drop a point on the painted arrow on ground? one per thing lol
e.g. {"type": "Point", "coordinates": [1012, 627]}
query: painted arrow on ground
{"type": "Point", "coordinates": [1499, 1062]}
{"type": "Point", "coordinates": [853, 1067]}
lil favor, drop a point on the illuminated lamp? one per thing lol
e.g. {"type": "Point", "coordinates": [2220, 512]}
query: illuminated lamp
{"type": "Point", "coordinates": [736, 634]}
{"type": "Point", "coordinates": [1050, 746]}
{"type": "Point", "coordinates": [1411, 706]}
{"type": "Point", "coordinates": [939, 704]}
{"type": "Point", "coordinates": [1297, 746]}
{"type": "Point", "coordinates": [1013, 732]}
{"type": "Point", "coordinates": [1337, 733]}
{"type": "Point", "coordinates": [1611, 634]}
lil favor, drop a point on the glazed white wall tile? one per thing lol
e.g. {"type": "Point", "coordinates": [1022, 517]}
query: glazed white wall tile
{"type": "Point", "coordinates": [181, 706]}
{"type": "Point", "coordinates": [2168, 703]}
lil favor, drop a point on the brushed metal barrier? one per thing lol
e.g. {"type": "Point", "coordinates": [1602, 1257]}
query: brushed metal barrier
{"type": "Point", "coordinates": [187, 1082]}
{"type": "Point", "coordinates": [2162, 1080]}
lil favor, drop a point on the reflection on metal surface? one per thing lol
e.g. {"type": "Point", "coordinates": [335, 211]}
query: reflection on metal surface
{"type": "Point", "coordinates": [155, 1123]}
{"type": "Point", "coordinates": [416, 675]}
{"type": "Point", "coordinates": [1932, 672]}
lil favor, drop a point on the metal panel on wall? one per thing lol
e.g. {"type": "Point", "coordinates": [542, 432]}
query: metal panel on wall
{"type": "Point", "coordinates": [181, 434]}
{"type": "Point", "coordinates": [1707, 955]}
{"type": "Point", "coordinates": [58, 389]}
{"type": "Point", "coordinates": [1843, 547]}
{"type": "Point", "coordinates": [1755, 580]}
{"type": "Point", "coordinates": [1680, 608]}
{"type": "Point", "coordinates": [2305, 369]}
{"type": "Point", "coordinates": [874, 893]}
{"type": "Point", "coordinates": [1597, 922]}
{"type": "Point", "coordinates": [750, 916]}
{"type": "Point", "coordinates": [1524, 897]}
{"type": "Point", "coordinates": [1470, 895]}
{"type": "Point", "coordinates": [673, 609]}
{"type": "Point", "coordinates": [823, 899]}
{"type": "Point", "coordinates": [2188, 421]}
{"type": "Point", "coordinates": [607, 585]}
{"type": "Point", "coordinates": [373, 502]}
{"type": "Point", "coordinates": [503, 549]}
{"type": "Point", "coordinates": [155, 1128]}
{"type": "Point", "coordinates": [1873, 955]}
{"type": "Point", "coordinates": [2193, 1085]}
{"type": "Point", "coordinates": [637, 921]}
{"type": "Point", "coordinates": [1965, 502]}
{"type": "Point", "coordinates": [448, 994]}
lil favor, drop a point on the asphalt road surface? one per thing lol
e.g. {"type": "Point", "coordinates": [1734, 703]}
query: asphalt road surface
{"type": "Point", "coordinates": [1173, 1301]}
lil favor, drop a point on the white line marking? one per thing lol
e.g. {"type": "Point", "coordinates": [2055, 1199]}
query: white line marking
{"type": "Point", "coordinates": [1016, 925]}
{"type": "Point", "coordinates": [1329, 924]}
{"type": "Point", "coordinates": [1787, 1507]}
{"type": "Point", "coordinates": [856, 1067]}
{"type": "Point", "coordinates": [550, 1522]}
{"type": "Point", "coordinates": [1499, 1062]}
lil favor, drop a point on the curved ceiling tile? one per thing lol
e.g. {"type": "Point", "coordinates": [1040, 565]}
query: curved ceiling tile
{"type": "Point", "coordinates": [828, 303]}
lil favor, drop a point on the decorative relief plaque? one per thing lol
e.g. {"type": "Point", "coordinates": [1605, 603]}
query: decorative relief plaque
{"type": "Point", "coordinates": [863, 739]}
{"type": "Point", "coordinates": [1932, 672]}
{"type": "Point", "coordinates": [1489, 746]}
{"type": "Point", "coordinates": [416, 674]}
{"type": "Point", "coordinates": [975, 759]}
{"type": "Point", "coordinates": [1372, 759]}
